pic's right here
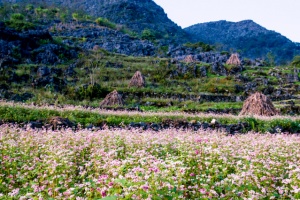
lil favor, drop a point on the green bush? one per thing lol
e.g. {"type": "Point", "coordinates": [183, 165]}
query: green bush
{"type": "Point", "coordinates": [17, 17]}
{"type": "Point", "coordinates": [29, 7]}
{"type": "Point", "coordinates": [105, 22]}
{"type": "Point", "coordinates": [296, 61]}
{"type": "Point", "coordinates": [75, 16]}
{"type": "Point", "coordinates": [90, 92]}
{"type": "Point", "coordinates": [205, 47]}
{"type": "Point", "coordinates": [17, 21]}
{"type": "Point", "coordinates": [148, 34]}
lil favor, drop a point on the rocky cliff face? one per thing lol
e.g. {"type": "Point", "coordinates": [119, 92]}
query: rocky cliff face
{"type": "Point", "coordinates": [91, 36]}
{"type": "Point", "coordinates": [251, 39]}
{"type": "Point", "coordinates": [27, 46]}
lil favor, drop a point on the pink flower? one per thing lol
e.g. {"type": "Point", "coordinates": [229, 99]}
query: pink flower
{"type": "Point", "coordinates": [103, 193]}
{"type": "Point", "coordinates": [103, 177]}
{"type": "Point", "coordinates": [145, 187]}
{"type": "Point", "coordinates": [15, 192]}
{"type": "Point", "coordinates": [202, 191]}
{"type": "Point", "coordinates": [67, 193]}
{"type": "Point", "coordinates": [192, 174]}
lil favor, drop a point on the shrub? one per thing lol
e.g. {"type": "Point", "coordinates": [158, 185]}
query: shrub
{"type": "Point", "coordinates": [17, 17]}
{"type": "Point", "coordinates": [17, 21]}
{"type": "Point", "coordinates": [29, 7]}
{"type": "Point", "coordinates": [105, 22]}
{"type": "Point", "coordinates": [15, 6]}
{"type": "Point", "coordinates": [205, 47]}
{"type": "Point", "coordinates": [90, 92]}
{"type": "Point", "coordinates": [148, 34]}
{"type": "Point", "coordinates": [75, 16]}
{"type": "Point", "coordinates": [296, 61]}
{"type": "Point", "coordinates": [38, 11]}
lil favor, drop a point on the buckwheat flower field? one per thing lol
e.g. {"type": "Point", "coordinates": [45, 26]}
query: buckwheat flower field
{"type": "Point", "coordinates": [135, 164]}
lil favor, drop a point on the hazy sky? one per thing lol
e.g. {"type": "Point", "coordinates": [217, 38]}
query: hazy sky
{"type": "Point", "coordinates": [282, 16]}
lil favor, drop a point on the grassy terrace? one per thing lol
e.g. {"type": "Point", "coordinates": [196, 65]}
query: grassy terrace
{"type": "Point", "coordinates": [12, 112]}
{"type": "Point", "coordinates": [100, 69]}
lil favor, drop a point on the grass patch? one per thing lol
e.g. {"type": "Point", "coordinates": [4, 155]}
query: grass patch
{"type": "Point", "coordinates": [21, 114]}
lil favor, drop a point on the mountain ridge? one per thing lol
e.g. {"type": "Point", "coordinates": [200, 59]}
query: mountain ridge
{"type": "Point", "coordinates": [248, 37]}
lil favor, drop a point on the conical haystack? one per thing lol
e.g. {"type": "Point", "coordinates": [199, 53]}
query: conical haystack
{"type": "Point", "coordinates": [234, 60]}
{"type": "Point", "coordinates": [112, 99]}
{"type": "Point", "coordinates": [137, 80]}
{"type": "Point", "coordinates": [258, 104]}
{"type": "Point", "coordinates": [189, 59]}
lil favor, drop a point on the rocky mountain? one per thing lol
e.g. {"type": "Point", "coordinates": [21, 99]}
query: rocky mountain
{"type": "Point", "coordinates": [248, 37]}
{"type": "Point", "coordinates": [153, 33]}
{"type": "Point", "coordinates": [137, 15]}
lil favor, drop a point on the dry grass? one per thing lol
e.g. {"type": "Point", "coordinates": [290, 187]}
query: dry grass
{"type": "Point", "coordinates": [137, 80]}
{"type": "Point", "coordinates": [189, 59]}
{"type": "Point", "coordinates": [258, 104]}
{"type": "Point", "coordinates": [234, 60]}
{"type": "Point", "coordinates": [112, 99]}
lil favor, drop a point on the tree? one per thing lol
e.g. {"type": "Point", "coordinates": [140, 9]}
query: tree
{"type": "Point", "coordinates": [271, 59]}
{"type": "Point", "coordinates": [296, 61]}
{"type": "Point", "coordinates": [147, 34]}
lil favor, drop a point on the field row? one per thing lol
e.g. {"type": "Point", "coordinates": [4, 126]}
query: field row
{"type": "Point", "coordinates": [89, 117]}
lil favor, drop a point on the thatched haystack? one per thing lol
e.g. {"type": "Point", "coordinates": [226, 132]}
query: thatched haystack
{"type": "Point", "coordinates": [189, 59]}
{"type": "Point", "coordinates": [138, 80]}
{"type": "Point", "coordinates": [234, 60]}
{"type": "Point", "coordinates": [112, 99]}
{"type": "Point", "coordinates": [258, 104]}
{"type": "Point", "coordinates": [96, 48]}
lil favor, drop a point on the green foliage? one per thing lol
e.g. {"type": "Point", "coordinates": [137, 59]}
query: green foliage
{"type": "Point", "coordinates": [148, 34]}
{"type": "Point", "coordinates": [15, 6]}
{"type": "Point", "coordinates": [63, 17]}
{"type": "Point", "coordinates": [29, 7]}
{"type": "Point", "coordinates": [38, 10]}
{"type": "Point", "coordinates": [46, 41]}
{"type": "Point", "coordinates": [205, 47]}
{"type": "Point", "coordinates": [21, 114]}
{"type": "Point", "coordinates": [17, 16]}
{"type": "Point", "coordinates": [163, 50]}
{"type": "Point", "coordinates": [296, 61]}
{"type": "Point", "coordinates": [75, 16]}
{"type": "Point", "coordinates": [89, 92]}
{"type": "Point", "coordinates": [57, 40]}
{"type": "Point", "coordinates": [18, 22]}
{"type": "Point", "coordinates": [271, 59]}
{"type": "Point", "coordinates": [225, 53]}
{"type": "Point", "coordinates": [105, 22]}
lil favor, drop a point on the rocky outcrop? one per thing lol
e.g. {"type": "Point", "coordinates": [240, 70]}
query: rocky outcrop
{"type": "Point", "coordinates": [205, 57]}
{"type": "Point", "coordinates": [105, 38]}
{"type": "Point", "coordinates": [28, 45]}
{"type": "Point", "coordinates": [59, 122]}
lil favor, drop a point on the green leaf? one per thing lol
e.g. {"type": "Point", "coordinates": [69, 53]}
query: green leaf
{"type": "Point", "coordinates": [122, 181]}
{"type": "Point", "coordinates": [109, 198]}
